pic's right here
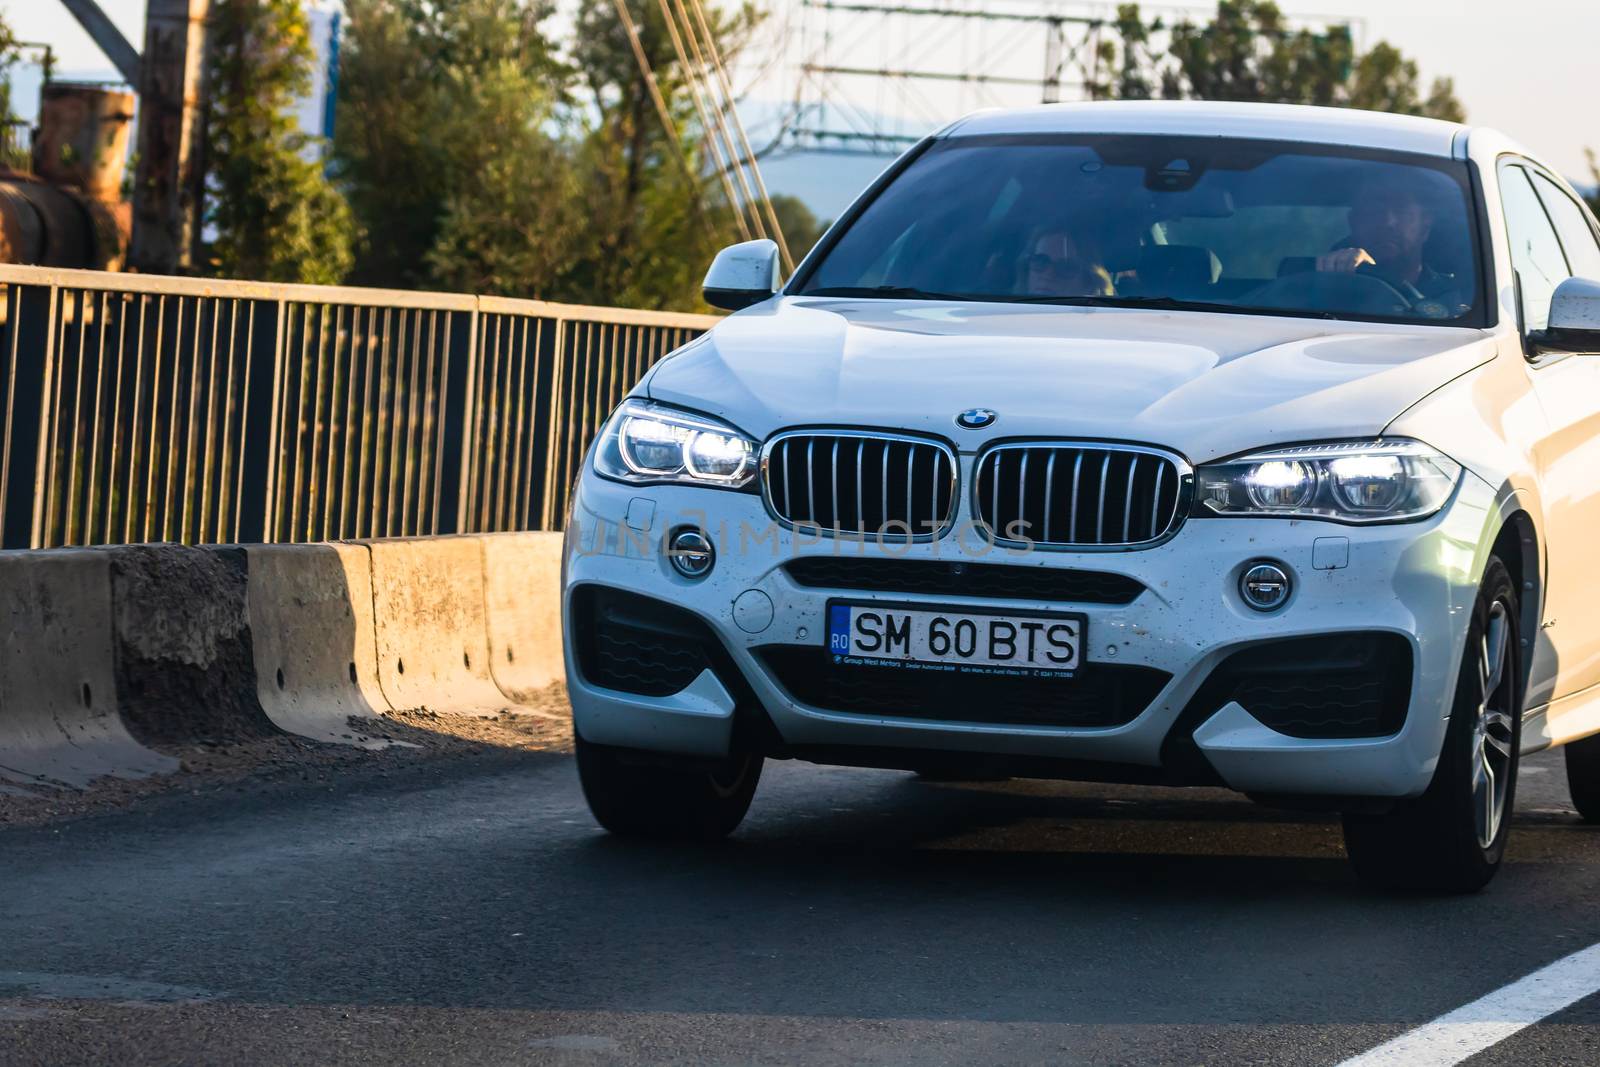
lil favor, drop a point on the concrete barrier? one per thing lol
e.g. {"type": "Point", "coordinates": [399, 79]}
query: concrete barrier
{"type": "Point", "coordinates": [312, 636]}
{"type": "Point", "coordinates": [59, 719]}
{"type": "Point", "coordinates": [185, 673]}
{"type": "Point", "coordinates": [109, 655]}
{"type": "Point", "coordinates": [432, 634]}
{"type": "Point", "coordinates": [522, 598]}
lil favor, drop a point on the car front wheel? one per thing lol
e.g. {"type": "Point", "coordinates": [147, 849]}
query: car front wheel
{"type": "Point", "coordinates": [639, 794]}
{"type": "Point", "coordinates": [1453, 837]}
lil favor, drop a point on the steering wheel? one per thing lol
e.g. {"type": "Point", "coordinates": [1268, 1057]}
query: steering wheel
{"type": "Point", "coordinates": [1365, 293]}
{"type": "Point", "coordinates": [1404, 289]}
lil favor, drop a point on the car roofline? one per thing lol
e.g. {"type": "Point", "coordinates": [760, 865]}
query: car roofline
{"type": "Point", "coordinates": [1270, 122]}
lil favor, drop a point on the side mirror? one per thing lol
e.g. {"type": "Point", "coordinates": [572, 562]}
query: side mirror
{"type": "Point", "coordinates": [1574, 318]}
{"type": "Point", "coordinates": [742, 275]}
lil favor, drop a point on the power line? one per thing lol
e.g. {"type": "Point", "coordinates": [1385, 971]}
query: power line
{"type": "Point", "coordinates": [915, 51]}
{"type": "Point", "coordinates": [708, 134]}
{"type": "Point", "coordinates": [649, 75]}
{"type": "Point", "coordinates": [744, 139]}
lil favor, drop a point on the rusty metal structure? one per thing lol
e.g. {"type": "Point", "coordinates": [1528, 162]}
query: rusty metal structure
{"type": "Point", "coordinates": [161, 231]}
{"type": "Point", "coordinates": [66, 210]}
{"type": "Point", "coordinates": [169, 189]}
{"type": "Point", "coordinates": [139, 408]}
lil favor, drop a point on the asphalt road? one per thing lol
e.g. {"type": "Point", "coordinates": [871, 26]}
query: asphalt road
{"type": "Point", "coordinates": [472, 913]}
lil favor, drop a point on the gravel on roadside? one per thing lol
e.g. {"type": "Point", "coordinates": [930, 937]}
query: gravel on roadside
{"type": "Point", "coordinates": [402, 738]}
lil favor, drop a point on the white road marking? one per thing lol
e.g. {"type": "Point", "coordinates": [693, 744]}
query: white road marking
{"type": "Point", "coordinates": [1489, 1020]}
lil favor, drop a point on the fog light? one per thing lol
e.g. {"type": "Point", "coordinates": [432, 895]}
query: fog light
{"type": "Point", "coordinates": [1265, 586]}
{"type": "Point", "coordinates": [691, 553]}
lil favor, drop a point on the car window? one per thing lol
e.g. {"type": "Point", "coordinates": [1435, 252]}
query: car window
{"type": "Point", "coordinates": [1535, 252]}
{"type": "Point", "coordinates": [1213, 223]}
{"type": "Point", "coordinates": [1572, 227]}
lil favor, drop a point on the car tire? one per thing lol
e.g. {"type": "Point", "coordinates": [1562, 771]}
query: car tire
{"type": "Point", "coordinates": [638, 794]}
{"type": "Point", "coordinates": [1583, 777]}
{"type": "Point", "coordinates": [1453, 837]}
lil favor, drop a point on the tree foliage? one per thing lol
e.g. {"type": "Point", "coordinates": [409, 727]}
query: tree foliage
{"type": "Point", "coordinates": [801, 228]}
{"type": "Point", "coordinates": [1385, 80]}
{"type": "Point", "coordinates": [508, 218]}
{"type": "Point", "coordinates": [658, 211]}
{"type": "Point", "coordinates": [14, 151]}
{"type": "Point", "coordinates": [480, 154]}
{"type": "Point", "coordinates": [1249, 52]}
{"type": "Point", "coordinates": [270, 208]}
{"type": "Point", "coordinates": [445, 143]}
{"type": "Point", "coordinates": [8, 59]}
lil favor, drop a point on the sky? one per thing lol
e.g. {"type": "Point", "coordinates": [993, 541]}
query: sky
{"type": "Point", "coordinates": [1527, 67]}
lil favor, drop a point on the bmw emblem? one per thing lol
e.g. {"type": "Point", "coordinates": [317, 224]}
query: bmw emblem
{"type": "Point", "coordinates": [976, 418]}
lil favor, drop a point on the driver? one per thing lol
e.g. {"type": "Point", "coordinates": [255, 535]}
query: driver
{"type": "Point", "coordinates": [1059, 264]}
{"type": "Point", "coordinates": [1390, 222]}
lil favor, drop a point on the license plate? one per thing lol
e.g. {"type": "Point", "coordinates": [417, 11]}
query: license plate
{"type": "Point", "coordinates": [887, 635]}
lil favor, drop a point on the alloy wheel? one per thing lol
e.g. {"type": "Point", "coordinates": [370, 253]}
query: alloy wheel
{"type": "Point", "coordinates": [1494, 728]}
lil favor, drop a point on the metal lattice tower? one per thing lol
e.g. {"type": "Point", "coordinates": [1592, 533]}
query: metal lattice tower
{"type": "Point", "coordinates": [872, 76]}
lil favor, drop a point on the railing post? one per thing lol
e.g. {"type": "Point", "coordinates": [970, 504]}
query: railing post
{"type": "Point", "coordinates": [456, 450]}
{"type": "Point", "coordinates": [469, 425]}
{"type": "Point", "coordinates": [43, 438]}
{"type": "Point", "coordinates": [258, 464]}
{"type": "Point", "coordinates": [557, 428]}
{"type": "Point", "coordinates": [29, 352]}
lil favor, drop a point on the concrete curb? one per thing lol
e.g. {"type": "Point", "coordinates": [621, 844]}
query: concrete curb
{"type": "Point", "coordinates": [59, 720]}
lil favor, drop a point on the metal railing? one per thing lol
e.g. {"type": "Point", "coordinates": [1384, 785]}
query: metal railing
{"type": "Point", "coordinates": [140, 408]}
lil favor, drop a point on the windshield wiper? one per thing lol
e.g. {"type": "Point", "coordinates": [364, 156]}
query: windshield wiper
{"type": "Point", "coordinates": [884, 292]}
{"type": "Point", "coordinates": [1167, 303]}
{"type": "Point", "coordinates": [1157, 303]}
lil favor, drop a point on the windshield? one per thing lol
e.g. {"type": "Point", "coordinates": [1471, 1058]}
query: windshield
{"type": "Point", "coordinates": [1169, 222]}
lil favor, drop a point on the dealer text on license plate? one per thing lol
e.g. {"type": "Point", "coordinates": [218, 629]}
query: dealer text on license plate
{"type": "Point", "coordinates": [886, 635]}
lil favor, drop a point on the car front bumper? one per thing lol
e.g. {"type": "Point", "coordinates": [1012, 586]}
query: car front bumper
{"type": "Point", "coordinates": [1415, 580]}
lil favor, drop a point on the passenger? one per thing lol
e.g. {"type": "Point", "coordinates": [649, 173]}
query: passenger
{"type": "Point", "coordinates": [1060, 265]}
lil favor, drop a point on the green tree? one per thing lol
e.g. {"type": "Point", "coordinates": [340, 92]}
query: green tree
{"type": "Point", "coordinates": [1249, 52]}
{"type": "Point", "coordinates": [801, 228]}
{"type": "Point", "coordinates": [8, 59]}
{"type": "Point", "coordinates": [450, 145]}
{"type": "Point", "coordinates": [477, 160]}
{"type": "Point", "coordinates": [272, 211]}
{"type": "Point", "coordinates": [1385, 80]}
{"type": "Point", "coordinates": [507, 224]}
{"type": "Point", "coordinates": [11, 154]}
{"type": "Point", "coordinates": [656, 213]}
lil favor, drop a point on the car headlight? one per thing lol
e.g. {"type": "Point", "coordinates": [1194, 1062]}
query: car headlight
{"type": "Point", "coordinates": [646, 443]}
{"type": "Point", "coordinates": [1353, 481]}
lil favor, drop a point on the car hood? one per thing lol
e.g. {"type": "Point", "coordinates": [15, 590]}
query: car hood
{"type": "Point", "coordinates": [1204, 384]}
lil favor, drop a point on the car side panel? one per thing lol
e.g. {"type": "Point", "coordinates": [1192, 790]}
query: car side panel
{"type": "Point", "coordinates": [1491, 422]}
{"type": "Point", "coordinates": [1568, 461]}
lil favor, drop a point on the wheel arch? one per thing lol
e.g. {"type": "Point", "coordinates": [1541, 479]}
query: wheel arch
{"type": "Point", "coordinates": [1516, 544]}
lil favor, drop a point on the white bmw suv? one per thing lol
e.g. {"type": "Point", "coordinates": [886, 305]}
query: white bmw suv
{"type": "Point", "coordinates": [1238, 445]}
